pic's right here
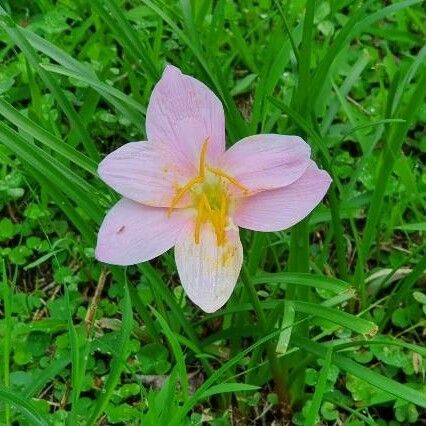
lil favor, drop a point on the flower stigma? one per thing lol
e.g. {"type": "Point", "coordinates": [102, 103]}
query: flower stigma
{"type": "Point", "coordinates": [209, 197]}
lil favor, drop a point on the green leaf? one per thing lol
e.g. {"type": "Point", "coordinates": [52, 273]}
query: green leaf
{"type": "Point", "coordinates": [398, 390]}
{"type": "Point", "coordinates": [46, 138]}
{"type": "Point", "coordinates": [18, 36]}
{"type": "Point", "coordinates": [227, 388]}
{"type": "Point", "coordinates": [178, 354]}
{"type": "Point", "coordinates": [413, 227]}
{"type": "Point", "coordinates": [320, 388]}
{"type": "Point", "coordinates": [41, 379]}
{"type": "Point", "coordinates": [72, 184]}
{"type": "Point", "coordinates": [344, 319]}
{"type": "Point", "coordinates": [24, 406]}
{"type": "Point", "coordinates": [287, 326]}
{"type": "Point", "coordinates": [294, 278]}
{"type": "Point", "coordinates": [7, 229]}
{"type": "Point", "coordinates": [118, 362]}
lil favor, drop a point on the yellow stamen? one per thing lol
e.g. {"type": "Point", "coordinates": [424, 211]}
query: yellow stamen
{"type": "Point", "coordinates": [222, 220]}
{"type": "Point", "coordinates": [231, 179]}
{"type": "Point", "coordinates": [202, 168]}
{"type": "Point", "coordinates": [206, 203]}
{"type": "Point", "coordinates": [182, 192]}
{"type": "Point", "coordinates": [209, 197]}
{"type": "Point", "coordinates": [204, 212]}
{"type": "Point", "coordinates": [198, 221]}
{"type": "Point", "coordinates": [215, 219]}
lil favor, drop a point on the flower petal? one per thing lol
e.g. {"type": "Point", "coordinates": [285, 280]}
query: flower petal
{"type": "Point", "coordinates": [281, 208]}
{"type": "Point", "coordinates": [208, 272]}
{"type": "Point", "coordinates": [145, 172]}
{"type": "Point", "coordinates": [267, 161]}
{"type": "Point", "coordinates": [183, 112]}
{"type": "Point", "coordinates": [132, 233]}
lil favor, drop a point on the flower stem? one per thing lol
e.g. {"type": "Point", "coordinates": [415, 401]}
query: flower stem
{"type": "Point", "coordinates": [276, 370]}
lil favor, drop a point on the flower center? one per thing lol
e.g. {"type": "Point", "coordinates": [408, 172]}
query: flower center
{"type": "Point", "coordinates": [209, 196]}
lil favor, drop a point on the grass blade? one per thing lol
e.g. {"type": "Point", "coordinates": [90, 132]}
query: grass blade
{"type": "Point", "coordinates": [226, 388]}
{"type": "Point", "coordinates": [398, 390]}
{"type": "Point", "coordinates": [29, 126]}
{"type": "Point", "coordinates": [177, 352]}
{"type": "Point", "coordinates": [127, 35]}
{"type": "Point", "coordinates": [75, 362]}
{"type": "Point", "coordinates": [7, 304]}
{"type": "Point", "coordinates": [118, 362]}
{"type": "Point", "coordinates": [73, 185]}
{"type": "Point", "coordinates": [320, 388]}
{"type": "Point", "coordinates": [389, 157]}
{"type": "Point", "coordinates": [18, 37]}
{"type": "Point", "coordinates": [299, 278]}
{"type": "Point", "coordinates": [25, 407]}
{"type": "Point", "coordinates": [40, 381]}
{"type": "Point", "coordinates": [344, 319]}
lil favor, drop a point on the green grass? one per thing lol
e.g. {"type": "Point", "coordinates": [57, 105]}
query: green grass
{"type": "Point", "coordinates": [327, 321]}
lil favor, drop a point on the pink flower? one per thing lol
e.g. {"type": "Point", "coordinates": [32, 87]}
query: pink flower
{"type": "Point", "coordinates": [182, 189]}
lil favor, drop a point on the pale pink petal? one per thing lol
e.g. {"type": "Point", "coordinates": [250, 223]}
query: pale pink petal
{"type": "Point", "coordinates": [208, 272]}
{"type": "Point", "coordinates": [183, 112]}
{"type": "Point", "coordinates": [266, 161]}
{"type": "Point", "coordinates": [132, 233]}
{"type": "Point", "coordinates": [281, 208]}
{"type": "Point", "coordinates": [146, 173]}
